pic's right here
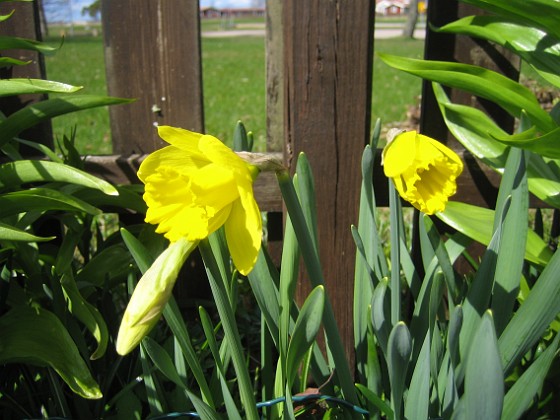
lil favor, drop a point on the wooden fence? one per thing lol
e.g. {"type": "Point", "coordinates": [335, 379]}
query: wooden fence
{"type": "Point", "coordinates": [319, 91]}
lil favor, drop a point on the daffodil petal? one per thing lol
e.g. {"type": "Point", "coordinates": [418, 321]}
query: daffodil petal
{"type": "Point", "coordinates": [450, 154]}
{"type": "Point", "coordinates": [169, 156]}
{"type": "Point", "coordinates": [244, 234]}
{"type": "Point", "coordinates": [219, 153]}
{"type": "Point", "coordinates": [399, 154]}
{"type": "Point", "coordinates": [187, 141]}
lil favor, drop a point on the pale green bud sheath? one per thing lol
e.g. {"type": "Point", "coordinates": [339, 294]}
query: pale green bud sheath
{"type": "Point", "coordinates": [151, 295]}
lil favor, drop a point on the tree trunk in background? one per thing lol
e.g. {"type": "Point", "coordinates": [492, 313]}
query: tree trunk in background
{"type": "Point", "coordinates": [411, 20]}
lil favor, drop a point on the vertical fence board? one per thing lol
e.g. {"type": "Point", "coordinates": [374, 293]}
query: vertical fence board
{"type": "Point", "coordinates": [274, 76]}
{"type": "Point", "coordinates": [328, 59]}
{"type": "Point", "coordinates": [152, 53]}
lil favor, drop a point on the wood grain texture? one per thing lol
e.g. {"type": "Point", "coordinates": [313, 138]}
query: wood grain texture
{"type": "Point", "coordinates": [328, 57]}
{"type": "Point", "coordinates": [152, 53]}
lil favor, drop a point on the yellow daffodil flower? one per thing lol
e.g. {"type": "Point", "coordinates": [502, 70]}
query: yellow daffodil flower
{"type": "Point", "coordinates": [151, 295]}
{"type": "Point", "coordinates": [423, 170]}
{"type": "Point", "coordinates": [196, 185]}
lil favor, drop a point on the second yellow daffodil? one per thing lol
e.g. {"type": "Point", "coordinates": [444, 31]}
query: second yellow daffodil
{"type": "Point", "coordinates": [196, 185]}
{"type": "Point", "coordinates": [423, 170]}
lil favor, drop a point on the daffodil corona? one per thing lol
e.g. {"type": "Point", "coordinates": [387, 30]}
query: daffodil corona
{"type": "Point", "coordinates": [423, 170]}
{"type": "Point", "coordinates": [196, 185]}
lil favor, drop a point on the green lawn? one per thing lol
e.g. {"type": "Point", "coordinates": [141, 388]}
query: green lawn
{"type": "Point", "coordinates": [234, 86]}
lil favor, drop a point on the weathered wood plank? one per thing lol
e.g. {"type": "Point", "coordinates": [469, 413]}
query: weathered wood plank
{"type": "Point", "coordinates": [328, 67]}
{"type": "Point", "coordinates": [274, 76]}
{"type": "Point", "coordinates": [152, 53]}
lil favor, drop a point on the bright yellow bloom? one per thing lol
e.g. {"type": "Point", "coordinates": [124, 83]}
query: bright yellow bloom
{"type": "Point", "coordinates": [198, 184]}
{"type": "Point", "coordinates": [423, 170]}
{"type": "Point", "coordinates": [151, 295]}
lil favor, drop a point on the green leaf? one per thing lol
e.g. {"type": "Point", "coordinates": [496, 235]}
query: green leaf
{"type": "Point", "coordinates": [484, 379]}
{"type": "Point", "coordinates": [476, 223]}
{"type": "Point", "coordinates": [305, 331]}
{"type": "Point", "coordinates": [177, 325]}
{"type": "Point", "coordinates": [15, 43]}
{"type": "Point", "coordinates": [87, 314]}
{"type": "Point", "coordinates": [227, 317]}
{"type": "Point", "coordinates": [510, 95]}
{"type": "Point", "coordinates": [509, 265]}
{"type": "Point", "coordinates": [10, 233]}
{"type": "Point", "coordinates": [27, 171]}
{"type": "Point", "coordinates": [204, 410]}
{"type": "Point", "coordinates": [477, 132]}
{"type": "Point", "coordinates": [526, 388]}
{"type": "Point", "coordinates": [109, 264]}
{"type": "Point", "coordinates": [418, 399]}
{"type": "Point", "coordinates": [163, 361]}
{"type": "Point", "coordinates": [42, 199]}
{"type": "Point", "coordinates": [3, 18]}
{"type": "Point", "coordinates": [240, 141]}
{"type": "Point", "coordinates": [9, 87]}
{"type": "Point", "coordinates": [541, 14]}
{"type": "Point", "coordinates": [368, 253]}
{"type": "Point", "coordinates": [399, 348]}
{"type": "Point", "coordinates": [36, 336]}
{"type": "Point", "coordinates": [533, 317]}
{"type": "Point", "coordinates": [141, 255]}
{"type": "Point", "coordinates": [50, 108]}
{"type": "Point", "coordinates": [263, 279]}
{"type": "Point", "coordinates": [8, 62]}
{"type": "Point", "coordinates": [376, 401]}
{"type": "Point", "coordinates": [379, 314]}
{"type": "Point", "coordinates": [545, 145]}
{"type": "Point", "coordinates": [536, 47]}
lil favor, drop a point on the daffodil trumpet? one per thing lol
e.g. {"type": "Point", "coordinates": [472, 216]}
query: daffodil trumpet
{"type": "Point", "coordinates": [196, 185]}
{"type": "Point", "coordinates": [423, 170]}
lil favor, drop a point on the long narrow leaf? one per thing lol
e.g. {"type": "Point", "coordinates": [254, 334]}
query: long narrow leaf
{"type": "Point", "coordinates": [523, 392]}
{"type": "Point", "coordinates": [535, 46]}
{"type": "Point", "coordinates": [11, 87]}
{"type": "Point", "coordinates": [12, 42]}
{"type": "Point", "coordinates": [399, 348]}
{"type": "Point", "coordinates": [36, 336]}
{"type": "Point", "coordinates": [418, 399]}
{"type": "Point", "coordinates": [509, 264]}
{"type": "Point", "coordinates": [305, 330]}
{"type": "Point", "coordinates": [26, 171]}
{"type": "Point", "coordinates": [484, 380]}
{"type": "Point", "coordinates": [476, 223]}
{"type": "Point", "coordinates": [477, 132]}
{"type": "Point", "coordinates": [533, 317]}
{"type": "Point", "coordinates": [88, 314]}
{"type": "Point", "coordinates": [10, 233]}
{"type": "Point", "coordinates": [42, 199]}
{"type": "Point", "coordinates": [227, 317]}
{"type": "Point", "coordinates": [510, 95]}
{"type": "Point", "coordinates": [50, 108]}
{"type": "Point", "coordinates": [536, 13]}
